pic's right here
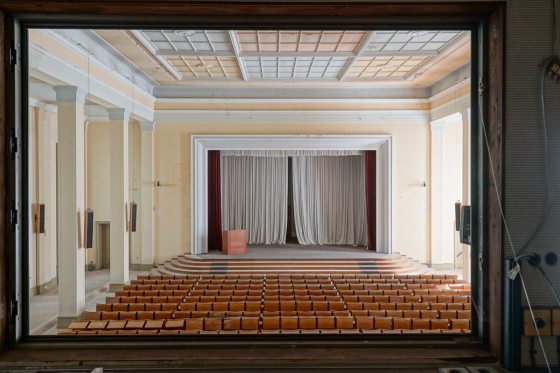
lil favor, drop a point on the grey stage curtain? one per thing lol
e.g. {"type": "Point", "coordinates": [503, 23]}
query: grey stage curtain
{"type": "Point", "coordinates": [330, 200]}
{"type": "Point", "coordinates": [290, 152]}
{"type": "Point", "coordinates": [255, 197]}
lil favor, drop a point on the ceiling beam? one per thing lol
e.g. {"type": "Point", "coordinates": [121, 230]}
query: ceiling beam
{"type": "Point", "coordinates": [173, 52]}
{"type": "Point", "coordinates": [237, 50]}
{"type": "Point", "coordinates": [400, 53]}
{"type": "Point", "coordinates": [363, 45]}
{"type": "Point", "coordinates": [151, 49]}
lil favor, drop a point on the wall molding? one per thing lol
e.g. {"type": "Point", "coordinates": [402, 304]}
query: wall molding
{"type": "Point", "coordinates": [53, 69]}
{"type": "Point", "coordinates": [42, 105]}
{"type": "Point", "coordinates": [243, 100]}
{"type": "Point", "coordinates": [447, 91]}
{"type": "Point", "coordinates": [61, 39]}
{"type": "Point", "coordinates": [292, 116]}
{"type": "Point", "coordinates": [200, 144]}
{"type": "Point", "coordinates": [452, 107]}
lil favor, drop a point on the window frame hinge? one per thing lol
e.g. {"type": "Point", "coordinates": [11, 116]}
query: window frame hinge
{"type": "Point", "coordinates": [13, 144]}
{"type": "Point", "coordinates": [12, 55]}
{"type": "Point", "coordinates": [13, 215]}
{"type": "Point", "coordinates": [14, 308]}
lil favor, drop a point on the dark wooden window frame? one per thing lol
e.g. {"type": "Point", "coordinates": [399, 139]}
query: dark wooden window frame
{"type": "Point", "coordinates": [486, 22]}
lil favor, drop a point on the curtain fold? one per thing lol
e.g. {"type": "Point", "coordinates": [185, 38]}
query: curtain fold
{"type": "Point", "coordinates": [290, 153]}
{"type": "Point", "coordinates": [330, 200]}
{"type": "Point", "coordinates": [214, 201]}
{"type": "Point", "coordinates": [255, 197]}
{"type": "Point", "coordinates": [371, 202]}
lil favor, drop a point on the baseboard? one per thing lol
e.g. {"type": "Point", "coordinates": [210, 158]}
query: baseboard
{"type": "Point", "coordinates": [64, 322]}
{"type": "Point", "coordinates": [43, 288]}
{"type": "Point", "coordinates": [442, 266]}
{"type": "Point", "coordinates": [117, 287]}
{"type": "Point", "coordinates": [141, 267]}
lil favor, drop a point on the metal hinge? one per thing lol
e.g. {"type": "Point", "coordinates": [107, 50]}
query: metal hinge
{"type": "Point", "coordinates": [13, 144]}
{"type": "Point", "coordinates": [13, 308]}
{"type": "Point", "coordinates": [13, 56]}
{"type": "Point", "coordinates": [13, 216]}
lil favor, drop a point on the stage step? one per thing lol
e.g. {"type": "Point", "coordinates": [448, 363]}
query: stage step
{"type": "Point", "coordinates": [389, 264]}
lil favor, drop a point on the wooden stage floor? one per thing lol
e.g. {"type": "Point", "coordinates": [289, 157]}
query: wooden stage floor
{"type": "Point", "coordinates": [296, 251]}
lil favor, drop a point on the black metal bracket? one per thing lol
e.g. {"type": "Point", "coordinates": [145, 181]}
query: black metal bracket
{"type": "Point", "coordinates": [13, 216]}
{"type": "Point", "coordinates": [13, 308]}
{"type": "Point", "coordinates": [12, 56]}
{"type": "Point", "coordinates": [13, 144]}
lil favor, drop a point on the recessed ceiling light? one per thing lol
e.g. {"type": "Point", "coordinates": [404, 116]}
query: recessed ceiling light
{"type": "Point", "coordinates": [387, 67]}
{"type": "Point", "coordinates": [418, 33]}
{"type": "Point", "coordinates": [203, 66]}
{"type": "Point", "coordinates": [184, 32]}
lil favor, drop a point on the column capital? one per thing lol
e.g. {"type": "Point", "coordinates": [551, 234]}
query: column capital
{"type": "Point", "coordinates": [437, 126]}
{"type": "Point", "coordinates": [118, 114]}
{"type": "Point", "coordinates": [147, 126]}
{"type": "Point", "coordinates": [466, 114]}
{"type": "Point", "coordinates": [70, 94]}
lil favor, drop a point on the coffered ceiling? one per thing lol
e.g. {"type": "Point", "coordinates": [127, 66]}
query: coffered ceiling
{"type": "Point", "coordinates": [250, 56]}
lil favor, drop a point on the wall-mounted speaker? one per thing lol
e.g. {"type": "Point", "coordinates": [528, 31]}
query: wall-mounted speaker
{"type": "Point", "coordinates": [457, 216]}
{"type": "Point", "coordinates": [88, 231]}
{"type": "Point", "coordinates": [40, 218]}
{"type": "Point", "coordinates": [465, 225]}
{"type": "Point", "coordinates": [133, 216]}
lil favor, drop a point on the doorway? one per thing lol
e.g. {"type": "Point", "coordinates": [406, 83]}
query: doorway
{"type": "Point", "coordinates": [103, 246]}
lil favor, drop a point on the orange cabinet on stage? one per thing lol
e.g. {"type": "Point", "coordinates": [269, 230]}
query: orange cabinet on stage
{"type": "Point", "coordinates": [234, 242]}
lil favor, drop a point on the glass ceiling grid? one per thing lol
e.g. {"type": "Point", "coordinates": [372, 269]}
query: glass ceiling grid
{"type": "Point", "coordinates": [300, 55]}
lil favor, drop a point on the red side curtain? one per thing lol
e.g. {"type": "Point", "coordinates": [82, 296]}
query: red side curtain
{"type": "Point", "coordinates": [370, 200]}
{"type": "Point", "coordinates": [214, 201]}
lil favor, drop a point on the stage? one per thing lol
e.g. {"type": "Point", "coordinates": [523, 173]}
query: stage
{"type": "Point", "coordinates": [295, 251]}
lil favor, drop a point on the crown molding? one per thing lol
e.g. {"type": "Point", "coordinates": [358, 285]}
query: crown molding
{"type": "Point", "coordinates": [92, 59]}
{"type": "Point", "coordinates": [463, 83]}
{"type": "Point", "coordinates": [292, 101]}
{"type": "Point", "coordinates": [60, 72]}
{"type": "Point", "coordinates": [42, 104]}
{"type": "Point", "coordinates": [452, 107]}
{"type": "Point", "coordinates": [292, 116]}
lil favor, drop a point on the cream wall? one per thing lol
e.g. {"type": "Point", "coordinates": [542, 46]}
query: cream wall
{"type": "Point", "coordinates": [43, 137]}
{"type": "Point", "coordinates": [452, 167]}
{"type": "Point", "coordinates": [135, 187]}
{"type": "Point", "coordinates": [172, 160]}
{"type": "Point", "coordinates": [99, 182]}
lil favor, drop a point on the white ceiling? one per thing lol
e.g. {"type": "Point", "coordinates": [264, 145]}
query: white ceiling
{"type": "Point", "coordinates": [273, 55]}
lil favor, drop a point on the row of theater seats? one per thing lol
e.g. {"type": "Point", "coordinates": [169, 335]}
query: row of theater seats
{"type": "Point", "coordinates": [283, 303]}
{"type": "Point", "coordinates": [323, 323]}
{"type": "Point", "coordinates": [275, 305]}
{"type": "Point", "coordinates": [163, 315]}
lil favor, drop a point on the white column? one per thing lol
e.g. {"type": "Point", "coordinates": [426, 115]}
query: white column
{"type": "Point", "coordinates": [71, 291]}
{"type": "Point", "coordinates": [147, 203]}
{"type": "Point", "coordinates": [437, 129]}
{"type": "Point", "coordinates": [466, 114]}
{"type": "Point", "coordinates": [119, 238]}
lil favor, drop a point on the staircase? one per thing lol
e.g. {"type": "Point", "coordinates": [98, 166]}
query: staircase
{"type": "Point", "coordinates": [385, 264]}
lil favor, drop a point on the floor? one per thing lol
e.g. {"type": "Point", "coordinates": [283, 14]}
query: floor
{"type": "Point", "coordinates": [297, 251]}
{"type": "Point", "coordinates": [43, 309]}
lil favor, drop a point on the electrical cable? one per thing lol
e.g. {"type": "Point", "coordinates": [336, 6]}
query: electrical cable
{"type": "Point", "coordinates": [507, 229]}
{"type": "Point", "coordinates": [547, 159]}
